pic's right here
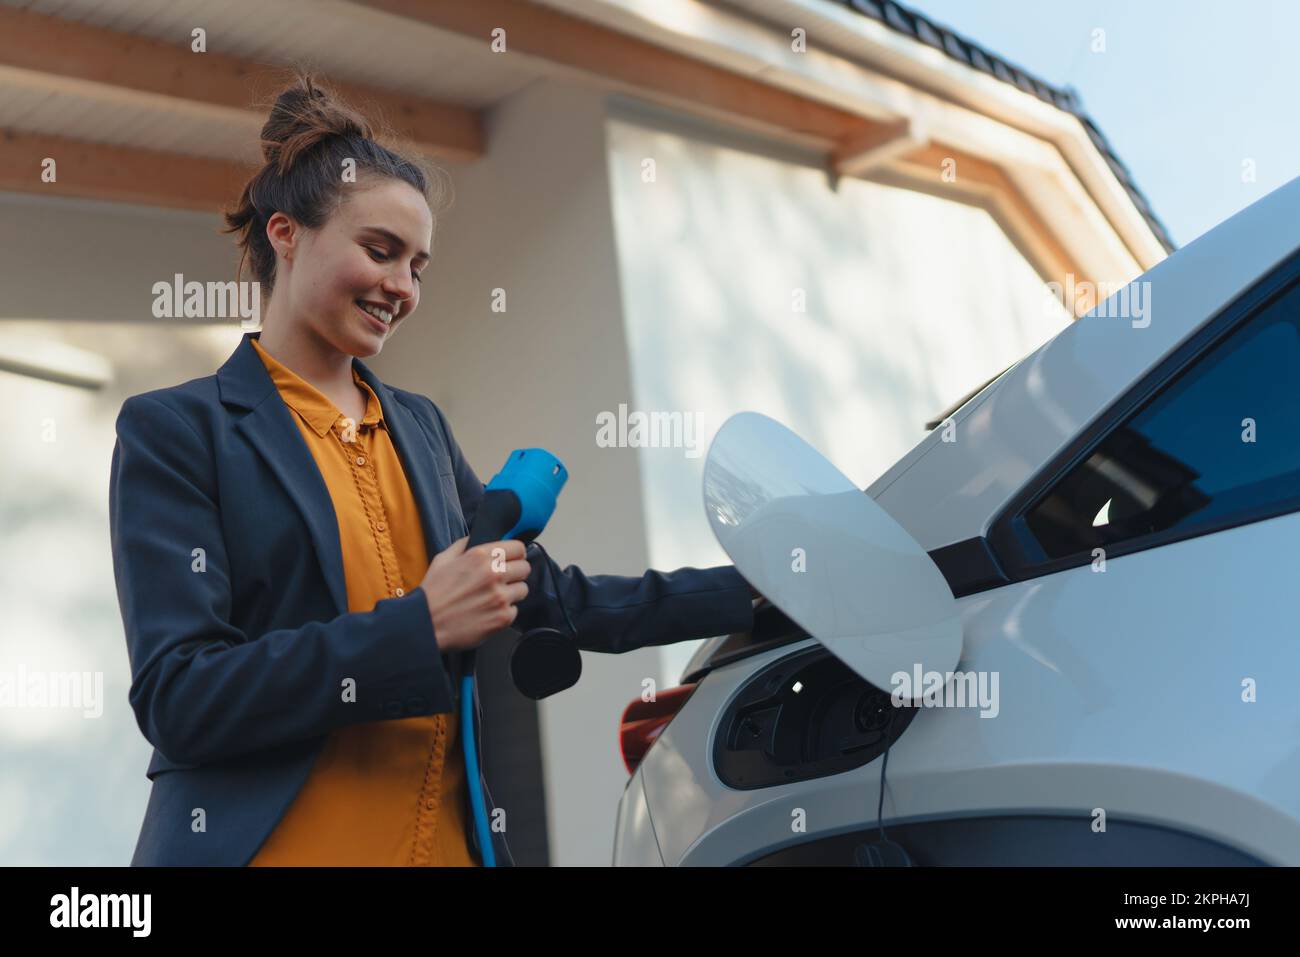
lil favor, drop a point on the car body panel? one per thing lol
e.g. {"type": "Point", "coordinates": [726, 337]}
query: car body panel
{"type": "Point", "coordinates": [1086, 718]}
{"type": "Point", "coordinates": [637, 844]}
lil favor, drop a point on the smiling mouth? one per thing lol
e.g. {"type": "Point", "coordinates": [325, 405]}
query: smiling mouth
{"type": "Point", "coordinates": [379, 325]}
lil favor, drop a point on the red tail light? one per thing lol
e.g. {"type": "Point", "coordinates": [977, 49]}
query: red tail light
{"type": "Point", "coordinates": [643, 721]}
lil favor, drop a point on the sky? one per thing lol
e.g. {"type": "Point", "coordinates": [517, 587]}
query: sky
{"type": "Point", "coordinates": [1191, 94]}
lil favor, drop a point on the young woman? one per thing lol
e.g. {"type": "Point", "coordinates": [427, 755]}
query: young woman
{"type": "Point", "coordinates": [289, 543]}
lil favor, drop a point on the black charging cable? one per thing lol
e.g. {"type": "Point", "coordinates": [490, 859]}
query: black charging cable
{"type": "Point", "coordinates": [873, 855]}
{"type": "Point", "coordinates": [553, 574]}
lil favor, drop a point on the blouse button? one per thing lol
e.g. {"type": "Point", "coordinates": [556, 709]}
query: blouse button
{"type": "Point", "coordinates": [400, 592]}
{"type": "Point", "coordinates": [430, 804]}
{"type": "Point", "coordinates": [380, 526]}
{"type": "Point", "coordinates": [361, 460]}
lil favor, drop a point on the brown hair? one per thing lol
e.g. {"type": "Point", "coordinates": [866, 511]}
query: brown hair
{"type": "Point", "coordinates": [305, 141]}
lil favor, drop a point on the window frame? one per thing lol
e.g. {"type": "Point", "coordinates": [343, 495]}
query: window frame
{"type": "Point", "coordinates": [1015, 548]}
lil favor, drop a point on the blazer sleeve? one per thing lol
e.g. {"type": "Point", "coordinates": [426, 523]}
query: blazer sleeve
{"type": "Point", "coordinates": [202, 690]}
{"type": "Point", "coordinates": [617, 613]}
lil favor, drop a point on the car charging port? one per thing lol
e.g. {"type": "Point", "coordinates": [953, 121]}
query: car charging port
{"type": "Point", "coordinates": [805, 716]}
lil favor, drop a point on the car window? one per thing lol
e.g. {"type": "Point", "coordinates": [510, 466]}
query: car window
{"type": "Point", "coordinates": [1219, 443]}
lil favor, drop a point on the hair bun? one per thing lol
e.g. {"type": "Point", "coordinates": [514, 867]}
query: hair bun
{"type": "Point", "coordinates": [304, 115]}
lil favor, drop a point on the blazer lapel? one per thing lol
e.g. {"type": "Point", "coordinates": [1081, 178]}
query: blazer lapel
{"type": "Point", "coordinates": [418, 462]}
{"type": "Point", "coordinates": [244, 383]}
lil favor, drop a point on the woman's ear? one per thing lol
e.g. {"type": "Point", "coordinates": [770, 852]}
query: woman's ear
{"type": "Point", "coordinates": [282, 233]}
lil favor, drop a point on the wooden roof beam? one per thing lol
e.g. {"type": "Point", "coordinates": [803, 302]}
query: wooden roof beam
{"type": "Point", "coordinates": [125, 174]}
{"type": "Point", "coordinates": [63, 48]}
{"type": "Point", "coordinates": [629, 64]}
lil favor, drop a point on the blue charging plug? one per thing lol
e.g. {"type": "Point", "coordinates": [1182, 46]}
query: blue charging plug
{"type": "Point", "coordinates": [516, 504]}
{"type": "Point", "coordinates": [520, 499]}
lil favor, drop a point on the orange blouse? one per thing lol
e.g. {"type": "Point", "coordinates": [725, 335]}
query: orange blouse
{"type": "Point", "coordinates": [384, 792]}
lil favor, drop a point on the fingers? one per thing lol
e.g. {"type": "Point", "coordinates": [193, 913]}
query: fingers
{"type": "Point", "coordinates": [517, 571]}
{"type": "Point", "coordinates": [507, 601]}
{"type": "Point", "coordinates": [511, 547]}
{"type": "Point", "coordinates": [505, 572]}
{"type": "Point", "coordinates": [456, 547]}
{"type": "Point", "coordinates": [501, 554]}
{"type": "Point", "coordinates": [502, 567]}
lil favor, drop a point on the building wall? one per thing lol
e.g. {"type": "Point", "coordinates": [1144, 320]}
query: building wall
{"type": "Point", "coordinates": [80, 259]}
{"type": "Point", "coordinates": [81, 273]}
{"type": "Point", "coordinates": [852, 312]}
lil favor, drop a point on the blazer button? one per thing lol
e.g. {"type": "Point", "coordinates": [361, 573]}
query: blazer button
{"type": "Point", "coordinates": [414, 705]}
{"type": "Point", "coordinates": [393, 709]}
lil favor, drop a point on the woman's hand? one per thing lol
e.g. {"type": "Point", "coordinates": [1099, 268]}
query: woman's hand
{"type": "Point", "coordinates": [473, 592]}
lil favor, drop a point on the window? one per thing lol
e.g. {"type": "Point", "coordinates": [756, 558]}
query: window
{"type": "Point", "coordinates": [1219, 445]}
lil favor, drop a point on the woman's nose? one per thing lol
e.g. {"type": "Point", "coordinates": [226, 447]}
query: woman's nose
{"type": "Point", "coordinates": [400, 286]}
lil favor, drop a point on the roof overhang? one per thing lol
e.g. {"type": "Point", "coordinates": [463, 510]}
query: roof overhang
{"type": "Point", "coordinates": [1032, 164]}
{"type": "Point", "coordinates": [115, 105]}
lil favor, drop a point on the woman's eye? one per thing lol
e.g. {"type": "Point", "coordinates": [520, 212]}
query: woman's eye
{"type": "Point", "coordinates": [416, 275]}
{"type": "Point", "coordinates": [377, 254]}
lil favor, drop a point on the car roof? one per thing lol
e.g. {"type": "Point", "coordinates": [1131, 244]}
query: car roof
{"type": "Point", "coordinates": [948, 491]}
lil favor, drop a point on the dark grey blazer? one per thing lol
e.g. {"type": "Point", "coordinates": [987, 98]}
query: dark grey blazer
{"type": "Point", "coordinates": [236, 668]}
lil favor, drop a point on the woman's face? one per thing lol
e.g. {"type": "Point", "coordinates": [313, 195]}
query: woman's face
{"type": "Point", "coordinates": [365, 260]}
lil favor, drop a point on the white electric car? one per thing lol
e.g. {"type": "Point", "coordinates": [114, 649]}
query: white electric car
{"type": "Point", "coordinates": [1071, 611]}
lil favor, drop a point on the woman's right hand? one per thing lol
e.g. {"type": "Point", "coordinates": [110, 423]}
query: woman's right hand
{"type": "Point", "coordinates": [473, 592]}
